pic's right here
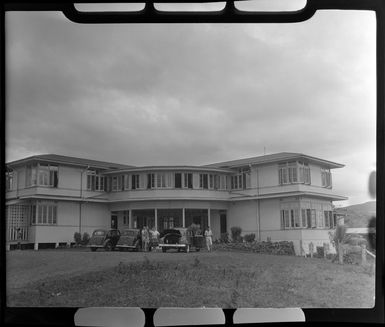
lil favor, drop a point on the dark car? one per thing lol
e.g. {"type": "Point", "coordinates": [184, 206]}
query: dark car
{"type": "Point", "coordinates": [180, 239]}
{"type": "Point", "coordinates": [129, 239]}
{"type": "Point", "coordinates": [102, 238]}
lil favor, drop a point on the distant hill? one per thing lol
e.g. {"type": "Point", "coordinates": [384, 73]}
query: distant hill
{"type": "Point", "coordinates": [358, 215]}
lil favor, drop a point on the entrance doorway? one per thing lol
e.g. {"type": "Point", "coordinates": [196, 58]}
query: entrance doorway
{"type": "Point", "coordinates": [223, 223]}
{"type": "Point", "coordinates": [114, 221]}
{"type": "Point", "coordinates": [143, 217]}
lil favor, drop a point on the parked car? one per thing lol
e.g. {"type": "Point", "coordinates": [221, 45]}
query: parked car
{"type": "Point", "coordinates": [180, 239]}
{"type": "Point", "coordinates": [130, 239]}
{"type": "Point", "coordinates": [102, 238]}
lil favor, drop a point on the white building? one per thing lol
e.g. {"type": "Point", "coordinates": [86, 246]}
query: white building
{"type": "Point", "coordinates": [283, 196]}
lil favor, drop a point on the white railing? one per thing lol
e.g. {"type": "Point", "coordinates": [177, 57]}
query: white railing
{"type": "Point", "coordinates": [17, 234]}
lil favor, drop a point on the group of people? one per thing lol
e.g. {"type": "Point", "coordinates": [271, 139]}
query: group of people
{"type": "Point", "coordinates": [148, 236]}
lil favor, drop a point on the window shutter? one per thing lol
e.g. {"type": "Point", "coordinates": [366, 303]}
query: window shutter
{"type": "Point", "coordinates": [282, 220]}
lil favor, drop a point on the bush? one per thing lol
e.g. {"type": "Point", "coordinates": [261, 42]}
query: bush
{"type": "Point", "coordinates": [77, 238]}
{"type": "Point", "coordinates": [249, 238]}
{"type": "Point", "coordinates": [372, 236]}
{"type": "Point", "coordinates": [320, 251]}
{"type": "Point", "coordinates": [224, 238]}
{"type": "Point", "coordinates": [236, 234]}
{"type": "Point", "coordinates": [85, 238]}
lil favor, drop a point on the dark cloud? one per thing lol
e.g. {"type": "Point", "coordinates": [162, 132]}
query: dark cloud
{"type": "Point", "coordinates": [193, 94]}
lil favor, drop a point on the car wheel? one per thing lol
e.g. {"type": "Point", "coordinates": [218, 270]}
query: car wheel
{"type": "Point", "coordinates": [187, 248]}
{"type": "Point", "coordinates": [197, 249]}
{"type": "Point", "coordinates": [93, 249]}
{"type": "Point", "coordinates": [163, 249]}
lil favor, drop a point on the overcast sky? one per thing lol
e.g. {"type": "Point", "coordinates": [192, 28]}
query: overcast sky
{"type": "Point", "coordinates": [195, 94]}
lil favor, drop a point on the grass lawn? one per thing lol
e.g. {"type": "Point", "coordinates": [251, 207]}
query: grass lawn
{"type": "Point", "coordinates": [219, 279]}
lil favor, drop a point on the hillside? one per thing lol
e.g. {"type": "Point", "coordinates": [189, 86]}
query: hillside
{"type": "Point", "coordinates": [358, 215]}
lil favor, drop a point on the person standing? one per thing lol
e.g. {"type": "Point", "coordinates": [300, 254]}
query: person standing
{"type": "Point", "coordinates": [154, 236]}
{"type": "Point", "coordinates": [145, 238]}
{"type": "Point", "coordinates": [209, 239]}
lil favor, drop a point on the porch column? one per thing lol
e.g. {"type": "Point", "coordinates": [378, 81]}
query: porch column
{"type": "Point", "coordinates": [183, 218]}
{"type": "Point", "coordinates": [156, 218]}
{"type": "Point", "coordinates": [208, 217]}
{"type": "Point", "coordinates": [130, 218]}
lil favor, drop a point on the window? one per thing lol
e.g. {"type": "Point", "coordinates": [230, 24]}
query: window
{"type": "Point", "coordinates": [187, 180]}
{"type": "Point", "coordinates": [237, 182]}
{"type": "Point", "coordinates": [150, 181]}
{"type": "Point", "coordinates": [313, 218]}
{"type": "Point", "coordinates": [126, 216]}
{"type": "Point", "coordinates": [211, 181]}
{"type": "Point", "coordinates": [320, 219]}
{"type": "Point", "coordinates": [48, 175]}
{"type": "Point", "coordinates": [290, 219]}
{"type": "Point", "coordinates": [326, 219]}
{"type": "Point", "coordinates": [178, 180]}
{"type": "Point", "coordinates": [33, 214]}
{"type": "Point", "coordinates": [95, 182]}
{"type": "Point", "coordinates": [31, 175]}
{"type": "Point", "coordinates": [9, 180]}
{"type": "Point", "coordinates": [304, 173]}
{"type": "Point", "coordinates": [134, 182]}
{"type": "Point", "coordinates": [114, 183]}
{"type": "Point", "coordinates": [297, 222]}
{"type": "Point", "coordinates": [203, 181]}
{"type": "Point", "coordinates": [294, 172]}
{"type": "Point", "coordinates": [288, 173]}
{"type": "Point", "coordinates": [223, 182]}
{"type": "Point", "coordinates": [329, 221]}
{"type": "Point", "coordinates": [326, 178]}
{"type": "Point", "coordinates": [168, 223]}
{"type": "Point", "coordinates": [161, 180]}
{"type": "Point", "coordinates": [46, 214]}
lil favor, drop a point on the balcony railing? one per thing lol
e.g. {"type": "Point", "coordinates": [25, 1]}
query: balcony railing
{"type": "Point", "coordinates": [19, 234]}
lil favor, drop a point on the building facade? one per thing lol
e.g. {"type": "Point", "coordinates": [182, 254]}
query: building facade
{"type": "Point", "coordinates": [283, 196]}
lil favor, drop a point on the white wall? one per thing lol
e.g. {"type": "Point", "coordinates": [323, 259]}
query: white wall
{"type": "Point", "coordinates": [268, 176]}
{"type": "Point", "coordinates": [270, 214]}
{"type": "Point", "coordinates": [69, 178]}
{"type": "Point", "coordinates": [244, 215]}
{"type": "Point", "coordinates": [93, 215]}
{"type": "Point", "coordinates": [215, 224]}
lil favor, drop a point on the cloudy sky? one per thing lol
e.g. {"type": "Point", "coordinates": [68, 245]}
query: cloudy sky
{"type": "Point", "coordinates": [195, 94]}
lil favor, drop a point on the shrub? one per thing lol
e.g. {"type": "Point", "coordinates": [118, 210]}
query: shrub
{"type": "Point", "coordinates": [85, 238]}
{"type": "Point", "coordinates": [249, 238]}
{"type": "Point", "coordinates": [224, 238]}
{"type": "Point", "coordinates": [236, 234]}
{"type": "Point", "coordinates": [372, 236]}
{"type": "Point", "coordinates": [320, 251]}
{"type": "Point", "coordinates": [77, 238]}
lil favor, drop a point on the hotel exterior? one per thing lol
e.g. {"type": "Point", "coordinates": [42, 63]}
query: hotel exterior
{"type": "Point", "coordinates": [283, 196]}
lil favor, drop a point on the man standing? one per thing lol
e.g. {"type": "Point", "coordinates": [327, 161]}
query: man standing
{"type": "Point", "coordinates": [145, 238]}
{"type": "Point", "coordinates": [209, 240]}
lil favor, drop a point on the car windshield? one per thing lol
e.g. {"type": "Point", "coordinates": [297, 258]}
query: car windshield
{"type": "Point", "coordinates": [99, 233]}
{"type": "Point", "coordinates": [128, 233]}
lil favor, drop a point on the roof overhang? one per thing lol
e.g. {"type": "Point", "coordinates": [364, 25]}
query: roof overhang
{"type": "Point", "coordinates": [330, 197]}
{"type": "Point", "coordinates": [169, 168]}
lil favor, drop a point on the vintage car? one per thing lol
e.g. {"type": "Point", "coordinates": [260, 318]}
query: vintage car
{"type": "Point", "coordinates": [180, 239]}
{"type": "Point", "coordinates": [130, 239]}
{"type": "Point", "coordinates": [103, 238]}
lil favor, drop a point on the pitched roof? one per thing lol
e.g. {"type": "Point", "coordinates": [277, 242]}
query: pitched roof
{"type": "Point", "coordinates": [54, 158]}
{"type": "Point", "coordinates": [270, 158]}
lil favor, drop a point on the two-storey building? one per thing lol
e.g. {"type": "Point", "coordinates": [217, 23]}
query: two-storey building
{"type": "Point", "coordinates": [283, 196]}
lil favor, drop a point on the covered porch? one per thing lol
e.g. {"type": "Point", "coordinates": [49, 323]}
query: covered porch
{"type": "Point", "coordinates": [165, 218]}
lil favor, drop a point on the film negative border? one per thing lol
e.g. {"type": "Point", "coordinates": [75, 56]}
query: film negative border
{"type": "Point", "coordinates": [66, 316]}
